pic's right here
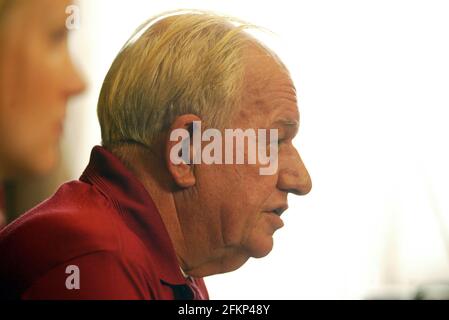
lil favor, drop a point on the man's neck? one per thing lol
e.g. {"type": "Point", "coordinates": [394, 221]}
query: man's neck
{"type": "Point", "coordinates": [148, 169]}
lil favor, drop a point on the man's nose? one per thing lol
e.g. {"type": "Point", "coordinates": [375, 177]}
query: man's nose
{"type": "Point", "coordinates": [294, 177]}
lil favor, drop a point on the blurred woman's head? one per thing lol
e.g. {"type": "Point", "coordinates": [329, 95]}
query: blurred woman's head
{"type": "Point", "coordinates": [37, 78]}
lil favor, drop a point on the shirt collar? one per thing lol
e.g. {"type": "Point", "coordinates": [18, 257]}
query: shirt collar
{"type": "Point", "coordinates": [133, 201]}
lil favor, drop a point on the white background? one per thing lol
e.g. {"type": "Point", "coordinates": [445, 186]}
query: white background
{"type": "Point", "coordinates": [373, 82]}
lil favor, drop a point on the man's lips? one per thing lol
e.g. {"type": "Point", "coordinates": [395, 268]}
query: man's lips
{"type": "Point", "coordinates": [275, 219]}
{"type": "Point", "coordinates": [277, 210]}
{"type": "Point", "coordinates": [274, 213]}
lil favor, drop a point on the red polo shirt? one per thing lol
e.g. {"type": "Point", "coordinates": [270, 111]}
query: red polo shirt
{"type": "Point", "coordinates": [107, 226]}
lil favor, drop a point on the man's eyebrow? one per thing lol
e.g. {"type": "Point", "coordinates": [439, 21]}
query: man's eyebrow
{"type": "Point", "coordinates": [291, 126]}
{"type": "Point", "coordinates": [289, 123]}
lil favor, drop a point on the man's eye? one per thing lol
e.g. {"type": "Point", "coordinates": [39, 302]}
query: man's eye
{"type": "Point", "coordinates": [280, 141]}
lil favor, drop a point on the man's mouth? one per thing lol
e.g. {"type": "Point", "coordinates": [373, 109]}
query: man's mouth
{"type": "Point", "coordinates": [275, 218]}
{"type": "Point", "coordinates": [278, 210]}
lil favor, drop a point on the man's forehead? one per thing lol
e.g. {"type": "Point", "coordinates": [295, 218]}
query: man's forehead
{"type": "Point", "coordinates": [269, 93]}
{"type": "Point", "coordinates": [277, 99]}
{"type": "Point", "coordinates": [265, 76]}
{"type": "Point", "coordinates": [263, 70]}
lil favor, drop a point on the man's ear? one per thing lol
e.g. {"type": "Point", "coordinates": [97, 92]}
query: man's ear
{"type": "Point", "coordinates": [179, 142]}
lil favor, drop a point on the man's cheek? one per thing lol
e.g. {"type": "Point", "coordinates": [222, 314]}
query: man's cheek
{"type": "Point", "coordinates": [234, 225]}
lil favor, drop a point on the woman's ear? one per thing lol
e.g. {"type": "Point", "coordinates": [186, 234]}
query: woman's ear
{"type": "Point", "coordinates": [179, 151]}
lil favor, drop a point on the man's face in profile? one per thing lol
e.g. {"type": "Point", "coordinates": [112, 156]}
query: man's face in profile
{"type": "Point", "coordinates": [241, 206]}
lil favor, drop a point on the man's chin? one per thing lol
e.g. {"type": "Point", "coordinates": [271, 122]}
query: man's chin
{"type": "Point", "coordinates": [260, 247]}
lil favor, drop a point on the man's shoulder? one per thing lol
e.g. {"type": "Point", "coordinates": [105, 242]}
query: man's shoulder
{"type": "Point", "coordinates": [77, 220]}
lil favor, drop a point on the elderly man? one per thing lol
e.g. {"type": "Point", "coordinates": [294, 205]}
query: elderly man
{"type": "Point", "coordinates": [140, 224]}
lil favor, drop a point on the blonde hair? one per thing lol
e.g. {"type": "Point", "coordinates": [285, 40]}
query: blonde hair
{"type": "Point", "coordinates": [180, 62]}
